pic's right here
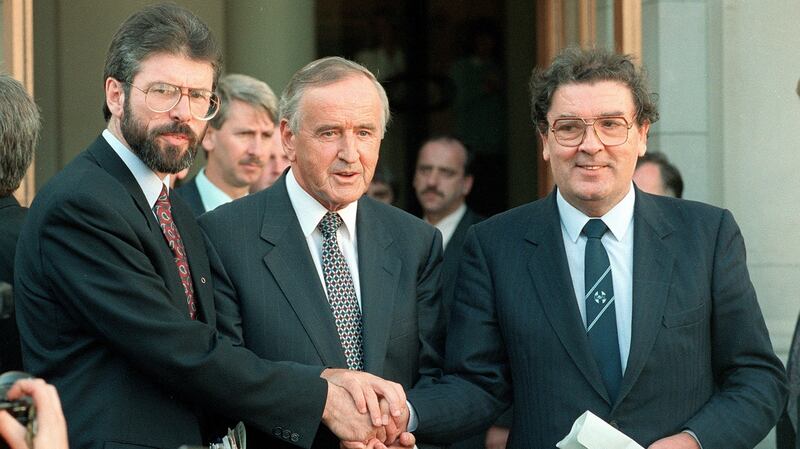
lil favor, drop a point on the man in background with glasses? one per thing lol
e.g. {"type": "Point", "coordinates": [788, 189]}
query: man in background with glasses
{"type": "Point", "coordinates": [115, 297]}
{"type": "Point", "coordinates": [600, 297]}
{"type": "Point", "coordinates": [237, 143]}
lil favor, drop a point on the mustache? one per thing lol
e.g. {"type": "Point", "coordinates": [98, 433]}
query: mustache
{"type": "Point", "coordinates": [254, 160]}
{"type": "Point", "coordinates": [432, 190]}
{"type": "Point", "coordinates": [176, 128]}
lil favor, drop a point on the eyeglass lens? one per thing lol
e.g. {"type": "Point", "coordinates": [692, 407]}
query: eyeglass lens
{"type": "Point", "coordinates": [610, 130]}
{"type": "Point", "coordinates": [162, 97]}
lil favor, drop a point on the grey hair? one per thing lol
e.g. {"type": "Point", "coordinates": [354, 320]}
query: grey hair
{"type": "Point", "coordinates": [323, 72]}
{"type": "Point", "coordinates": [246, 89]}
{"type": "Point", "coordinates": [164, 28]}
{"type": "Point", "coordinates": [19, 133]}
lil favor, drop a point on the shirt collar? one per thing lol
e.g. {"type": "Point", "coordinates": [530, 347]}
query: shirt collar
{"type": "Point", "coordinates": [211, 195]}
{"type": "Point", "coordinates": [617, 219]}
{"type": "Point", "coordinates": [147, 179]}
{"type": "Point", "coordinates": [310, 212]}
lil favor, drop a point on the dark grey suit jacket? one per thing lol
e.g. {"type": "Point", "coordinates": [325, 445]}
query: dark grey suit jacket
{"type": "Point", "coordinates": [12, 216]}
{"type": "Point", "coordinates": [191, 194]}
{"type": "Point", "coordinates": [270, 292]}
{"type": "Point", "coordinates": [103, 316]}
{"type": "Point", "coordinates": [700, 356]}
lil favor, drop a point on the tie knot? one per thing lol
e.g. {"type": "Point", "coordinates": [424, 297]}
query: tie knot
{"type": "Point", "coordinates": [595, 228]}
{"type": "Point", "coordinates": [330, 224]}
{"type": "Point", "coordinates": [163, 197]}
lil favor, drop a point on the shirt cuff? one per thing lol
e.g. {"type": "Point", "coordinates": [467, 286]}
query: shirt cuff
{"type": "Point", "coordinates": [412, 418]}
{"type": "Point", "coordinates": [684, 431]}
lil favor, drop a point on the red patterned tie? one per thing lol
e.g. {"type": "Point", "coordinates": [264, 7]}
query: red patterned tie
{"type": "Point", "coordinates": [163, 210]}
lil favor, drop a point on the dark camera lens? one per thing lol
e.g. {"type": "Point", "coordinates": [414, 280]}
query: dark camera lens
{"type": "Point", "coordinates": [20, 408]}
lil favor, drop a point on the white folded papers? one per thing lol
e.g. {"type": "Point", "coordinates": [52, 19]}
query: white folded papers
{"type": "Point", "coordinates": [591, 432]}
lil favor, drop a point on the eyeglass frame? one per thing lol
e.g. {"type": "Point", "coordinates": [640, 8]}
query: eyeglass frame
{"type": "Point", "coordinates": [214, 99]}
{"type": "Point", "coordinates": [586, 126]}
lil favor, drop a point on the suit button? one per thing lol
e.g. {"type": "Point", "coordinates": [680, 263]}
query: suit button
{"type": "Point", "coordinates": [613, 423]}
{"type": "Point", "coordinates": [286, 434]}
{"type": "Point", "coordinates": [295, 438]}
{"type": "Point", "coordinates": [202, 279]}
{"type": "Point", "coordinates": [277, 431]}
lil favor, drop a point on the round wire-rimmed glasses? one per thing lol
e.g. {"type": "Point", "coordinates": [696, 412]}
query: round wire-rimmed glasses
{"type": "Point", "coordinates": [611, 130]}
{"type": "Point", "coordinates": [162, 97]}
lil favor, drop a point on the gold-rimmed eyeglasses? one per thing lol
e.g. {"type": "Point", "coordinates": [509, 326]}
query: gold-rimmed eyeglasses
{"type": "Point", "coordinates": [611, 130]}
{"type": "Point", "coordinates": [162, 97]}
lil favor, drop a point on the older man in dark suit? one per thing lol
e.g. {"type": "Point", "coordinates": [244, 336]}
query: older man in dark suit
{"type": "Point", "coordinates": [19, 133]}
{"type": "Point", "coordinates": [340, 279]}
{"type": "Point", "coordinates": [114, 289]}
{"type": "Point", "coordinates": [599, 297]}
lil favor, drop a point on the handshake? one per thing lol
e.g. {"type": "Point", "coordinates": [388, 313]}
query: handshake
{"type": "Point", "coordinates": [365, 411]}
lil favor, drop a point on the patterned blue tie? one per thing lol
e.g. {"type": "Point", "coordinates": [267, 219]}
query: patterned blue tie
{"type": "Point", "coordinates": [601, 321]}
{"type": "Point", "coordinates": [342, 293]}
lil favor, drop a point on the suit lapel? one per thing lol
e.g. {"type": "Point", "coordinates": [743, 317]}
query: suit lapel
{"type": "Point", "coordinates": [291, 266]}
{"type": "Point", "coordinates": [550, 273]}
{"type": "Point", "coordinates": [653, 263]}
{"type": "Point", "coordinates": [378, 275]}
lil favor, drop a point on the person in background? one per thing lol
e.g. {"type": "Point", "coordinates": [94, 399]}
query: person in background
{"type": "Point", "coordinates": [382, 186]}
{"type": "Point", "coordinates": [655, 174]}
{"type": "Point", "coordinates": [237, 143]}
{"type": "Point", "coordinates": [19, 134]}
{"type": "Point", "coordinates": [275, 164]}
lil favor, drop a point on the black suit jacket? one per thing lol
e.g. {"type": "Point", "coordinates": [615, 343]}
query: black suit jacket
{"type": "Point", "coordinates": [785, 432]}
{"type": "Point", "coordinates": [11, 217]}
{"type": "Point", "coordinates": [700, 356]}
{"type": "Point", "coordinates": [103, 316]}
{"type": "Point", "coordinates": [269, 289]}
{"type": "Point", "coordinates": [190, 193]}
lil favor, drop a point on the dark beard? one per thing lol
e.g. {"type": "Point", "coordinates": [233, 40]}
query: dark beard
{"type": "Point", "coordinates": [166, 159]}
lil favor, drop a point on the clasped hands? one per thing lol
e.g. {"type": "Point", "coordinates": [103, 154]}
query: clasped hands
{"type": "Point", "coordinates": [365, 411]}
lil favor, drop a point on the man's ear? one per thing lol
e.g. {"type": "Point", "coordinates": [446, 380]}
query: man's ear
{"type": "Point", "coordinates": [545, 147]}
{"type": "Point", "coordinates": [288, 140]}
{"type": "Point", "coordinates": [209, 139]}
{"type": "Point", "coordinates": [468, 180]}
{"type": "Point", "coordinates": [115, 97]}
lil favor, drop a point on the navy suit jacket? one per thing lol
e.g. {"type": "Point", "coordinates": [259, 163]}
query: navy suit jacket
{"type": "Point", "coordinates": [268, 289]}
{"type": "Point", "coordinates": [700, 356]}
{"type": "Point", "coordinates": [191, 194]}
{"type": "Point", "coordinates": [452, 257]}
{"type": "Point", "coordinates": [102, 315]}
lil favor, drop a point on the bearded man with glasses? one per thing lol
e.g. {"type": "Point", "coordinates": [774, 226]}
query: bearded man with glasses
{"type": "Point", "coordinates": [600, 297]}
{"type": "Point", "coordinates": [114, 290]}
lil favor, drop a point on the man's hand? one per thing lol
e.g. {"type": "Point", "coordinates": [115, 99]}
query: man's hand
{"type": "Point", "coordinates": [497, 437]}
{"type": "Point", "coordinates": [406, 441]}
{"type": "Point", "coordinates": [52, 430]}
{"type": "Point", "coordinates": [342, 418]}
{"type": "Point", "coordinates": [366, 391]}
{"type": "Point", "coordinates": [678, 441]}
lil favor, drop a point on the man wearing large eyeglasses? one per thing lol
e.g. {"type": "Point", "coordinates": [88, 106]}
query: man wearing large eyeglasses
{"type": "Point", "coordinates": [601, 297]}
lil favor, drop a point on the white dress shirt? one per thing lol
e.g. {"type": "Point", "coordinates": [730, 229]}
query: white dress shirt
{"type": "Point", "coordinates": [447, 225]}
{"type": "Point", "coordinates": [309, 213]}
{"type": "Point", "coordinates": [619, 246]}
{"type": "Point", "coordinates": [147, 179]}
{"type": "Point", "coordinates": [211, 196]}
